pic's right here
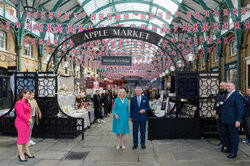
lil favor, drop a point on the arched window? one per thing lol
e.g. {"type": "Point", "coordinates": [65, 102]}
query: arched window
{"type": "Point", "coordinates": [216, 57]}
{"type": "Point", "coordinates": [203, 61]}
{"type": "Point", "coordinates": [28, 50]}
{"type": "Point", "coordinates": [233, 48]}
{"type": "Point", "coordinates": [3, 40]}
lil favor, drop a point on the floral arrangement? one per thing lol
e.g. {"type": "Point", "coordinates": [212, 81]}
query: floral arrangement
{"type": "Point", "coordinates": [63, 88]}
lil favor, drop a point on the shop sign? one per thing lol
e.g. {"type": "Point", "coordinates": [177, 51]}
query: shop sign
{"type": "Point", "coordinates": [28, 64]}
{"type": "Point", "coordinates": [90, 83]}
{"type": "Point", "coordinates": [96, 85]}
{"type": "Point", "coordinates": [117, 60]}
{"type": "Point", "coordinates": [215, 69]}
{"type": "Point", "coordinates": [230, 66]}
{"type": "Point", "coordinates": [116, 32]}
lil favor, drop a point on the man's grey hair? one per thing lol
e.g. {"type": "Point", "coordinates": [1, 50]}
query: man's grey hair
{"type": "Point", "coordinates": [231, 82]}
{"type": "Point", "coordinates": [138, 88]}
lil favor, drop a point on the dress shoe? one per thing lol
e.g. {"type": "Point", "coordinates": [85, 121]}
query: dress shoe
{"type": "Point", "coordinates": [143, 146]}
{"type": "Point", "coordinates": [28, 155]}
{"type": "Point", "coordinates": [21, 159]}
{"type": "Point", "coordinates": [135, 146]}
{"type": "Point", "coordinates": [232, 156]}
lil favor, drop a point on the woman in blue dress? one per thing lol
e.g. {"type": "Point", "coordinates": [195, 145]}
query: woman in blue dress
{"type": "Point", "coordinates": [121, 118]}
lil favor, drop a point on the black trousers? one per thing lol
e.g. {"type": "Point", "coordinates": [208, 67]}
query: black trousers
{"type": "Point", "coordinates": [230, 137]}
{"type": "Point", "coordinates": [246, 126]}
{"type": "Point", "coordinates": [98, 113]}
{"type": "Point", "coordinates": [218, 122]}
{"type": "Point", "coordinates": [106, 108]}
{"type": "Point", "coordinates": [110, 108]}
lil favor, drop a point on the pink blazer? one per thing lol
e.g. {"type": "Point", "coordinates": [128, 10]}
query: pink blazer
{"type": "Point", "coordinates": [23, 110]}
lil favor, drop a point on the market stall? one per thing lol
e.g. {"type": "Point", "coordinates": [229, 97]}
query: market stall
{"type": "Point", "coordinates": [72, 99]}
{"type": "Point", "coordinates": [60, 117]}
{"type": "Point", "coordinates": [189, 109]}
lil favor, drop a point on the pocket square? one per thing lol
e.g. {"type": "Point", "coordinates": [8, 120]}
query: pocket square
{"type": "Point", "coordinates": [143, 101]}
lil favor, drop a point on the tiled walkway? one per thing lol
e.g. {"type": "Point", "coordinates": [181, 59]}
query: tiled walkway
{"type": "Point", "coordinates": [99, 147]}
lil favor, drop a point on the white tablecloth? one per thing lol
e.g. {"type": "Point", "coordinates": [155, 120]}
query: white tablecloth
{"type": "Point", "coordinates": [92, 116]}
{"type": "Point", "coordinates": [84, 115]}
{"type": "Point", "coordinates": [80, 114]}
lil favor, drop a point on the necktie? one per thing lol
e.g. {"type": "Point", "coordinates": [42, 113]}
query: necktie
{"type": "Point", "coordinates": [226, 97]}
{"type": "Point", "coordinates": [138, 101]}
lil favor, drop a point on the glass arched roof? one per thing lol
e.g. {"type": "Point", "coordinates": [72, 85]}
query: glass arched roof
{"type": "Point", "coordinates": [133, 8]}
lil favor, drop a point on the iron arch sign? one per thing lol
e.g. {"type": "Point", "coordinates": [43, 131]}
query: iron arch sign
{"type": "Point", "coordinates": [113, 32]}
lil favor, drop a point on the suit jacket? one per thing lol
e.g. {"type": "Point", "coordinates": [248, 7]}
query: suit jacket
{"type": "Point", "coordinates": [232, 109]}
{"type": "Point", "coordinates": [134, 109]}
{"type": "Point", "coordinates": [220, 97]}
{"type": "Point", "coordinates": [247, 106]}
{"type": "Point", "coordinates": [97, 101]}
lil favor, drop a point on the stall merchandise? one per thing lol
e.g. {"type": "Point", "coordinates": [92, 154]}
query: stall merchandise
{"type": "Point", "coordinates": [72, 101]}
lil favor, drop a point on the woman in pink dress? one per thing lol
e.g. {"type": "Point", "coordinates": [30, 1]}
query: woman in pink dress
{"type": "Point", "coordinates": [22, 123]}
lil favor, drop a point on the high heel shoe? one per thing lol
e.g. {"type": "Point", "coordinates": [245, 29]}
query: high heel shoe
{"type": "Point", "coordinates": [28, 155]}
{"type": "Point", "coordinates": [21, 159]}
{"type": "Point", "coordinates": [117, 147]}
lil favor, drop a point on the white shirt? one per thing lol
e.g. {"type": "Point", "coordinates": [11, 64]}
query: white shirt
{"type": "Point", "coordinates": [139, 97]}
{"type": "Point", "coordinates": [230, 93]}
{"type": "Point", "coordinates": [122, 100]}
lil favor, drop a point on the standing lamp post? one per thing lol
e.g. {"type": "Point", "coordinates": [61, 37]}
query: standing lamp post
{"type": "Point", "coordinates": [190, 58]}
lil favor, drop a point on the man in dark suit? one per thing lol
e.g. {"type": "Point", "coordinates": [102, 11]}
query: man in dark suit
{"type": "Point", "coordinates": [106, 103]}
{"type": "Point", "coordinates": [97, 107]}
{"type": "Point", "coordinates": [138, 115]}
{"type": "Point", "coordinates": [231, 117]}
{"type": "Point", "coordinates": [246, 117]}
{"type": "Point", "coordinates": [219, 99]}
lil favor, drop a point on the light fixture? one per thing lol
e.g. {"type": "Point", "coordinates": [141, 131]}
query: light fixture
{"type": "Point", "coordinates": [172, 68]}
{"type": "Point", "coordinates": [179, 64]}
{"type": "Point", "coordinates": [66, 64]}
{"type": "Point", "coordinates": [178, 36]}
{"type": "Point", "coordinates": [77, 68]}
{"type": "Point", "coordinates": [190, 57]}
{"type": "Point", "coordinates": [166, 72]}
{"type": "Point", "coordinates": [30, 5]}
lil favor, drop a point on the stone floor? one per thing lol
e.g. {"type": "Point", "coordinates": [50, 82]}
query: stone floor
{"type": "Point", "coordinates": [99, 148]}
